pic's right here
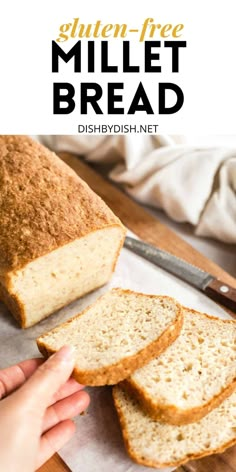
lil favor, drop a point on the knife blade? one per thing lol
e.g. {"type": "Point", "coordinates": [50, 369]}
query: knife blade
{"type": "Point", "coordinates": [203, 281]}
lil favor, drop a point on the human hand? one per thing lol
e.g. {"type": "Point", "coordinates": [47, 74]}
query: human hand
{"type": "Point", "coordinates": [35, 420]}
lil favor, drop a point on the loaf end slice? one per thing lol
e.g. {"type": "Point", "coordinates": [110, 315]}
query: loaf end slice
{"type": "Point", "coordinates": [52, 281]}
{"type": "Point", "coordinates": [155, 444]}
{"type": "Point", "coordinates": [119, 333]}
{"type": "Point", "coordinates": [193, 376]}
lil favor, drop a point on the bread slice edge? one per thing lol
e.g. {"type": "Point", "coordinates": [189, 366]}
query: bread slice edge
{"type": "Point", "coordinates": [114, 373]}
{"type": "Point", "coordinates": [146, 462]}
{"type": "Point", "coordinates": [170, 413]}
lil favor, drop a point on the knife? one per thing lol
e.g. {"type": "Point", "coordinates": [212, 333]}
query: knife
{"type": "Point", "coordinates": [207, 283]}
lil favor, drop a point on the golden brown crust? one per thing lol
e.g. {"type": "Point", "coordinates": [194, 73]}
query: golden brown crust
{"type": "Point", "coordinates": [170, 413]}
{"type": "Point", "coordinates": [13, 303]}
{"type": "Point", "coordinates": [43, 203]}
{"type": "Point", "coordinates": [211, 317]}
{"type": "Point", "coordinates": [143, 461]}
{"type": "Point", "coordinates": [114, 373]}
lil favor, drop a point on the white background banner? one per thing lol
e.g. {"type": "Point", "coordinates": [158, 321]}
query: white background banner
{"type": "Point", "coordinates": [207, 66]}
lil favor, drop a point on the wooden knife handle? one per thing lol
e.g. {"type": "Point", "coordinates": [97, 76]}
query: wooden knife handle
{"type": "Point", "coordinates": [222, 293]}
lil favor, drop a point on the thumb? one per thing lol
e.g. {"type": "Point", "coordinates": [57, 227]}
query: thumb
{"type": "Point", "coordinates": [48, 378]}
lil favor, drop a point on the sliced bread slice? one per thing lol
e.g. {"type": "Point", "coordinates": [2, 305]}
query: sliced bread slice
{"type": "Point", "coordinates": [118, 334]}
{"type": "Point", "coordinates": [193, 376]}
{"type": "Point", "coordinates": [156, 444]}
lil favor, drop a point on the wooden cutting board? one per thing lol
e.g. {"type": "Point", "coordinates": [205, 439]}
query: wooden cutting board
{"type": "Point", "coordinates": [149, 229]}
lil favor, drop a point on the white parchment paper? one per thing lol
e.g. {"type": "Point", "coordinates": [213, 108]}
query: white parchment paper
{"type": "Point", "coordinates": [97, 445]}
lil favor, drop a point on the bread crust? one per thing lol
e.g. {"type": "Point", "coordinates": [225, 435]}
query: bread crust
{"type": "Point", "coordinates": [170, 413]}
{"type": "Point", "coordinates": [142, 461]}
{"type": "Point", "coordinates": [114, 373]}
{"type": "Point", "coordinates": [12, 302]}
{"type": "Point", "coordinates": [43, 203]}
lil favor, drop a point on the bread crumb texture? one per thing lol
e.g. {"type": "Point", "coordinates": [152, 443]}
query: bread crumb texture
{"type": "Point", "coordinates": [197, 367]}
{"type": "Point", "coordinates": [157, 444]}
{"type": "Point", "coordinates": [121, 326]}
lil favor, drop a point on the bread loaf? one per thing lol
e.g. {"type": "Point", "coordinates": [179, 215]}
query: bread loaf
{"type": "Point", "coordinates": [194, 375]}
{"type": "Point", "coordinates": [119, 333]}
{"type": "Point", "coordinates": [155, 444]}
{"type": "Point", "coordinates": [58, 239]}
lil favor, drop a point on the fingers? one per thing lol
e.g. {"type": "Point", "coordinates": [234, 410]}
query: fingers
{"type": "Point", "coordinates": [14, 376]}
{"type": "Point", "coordinates": [54, 439]}
{"type": "Point", "coordinates": [65, 409]}
{"type": "Point", "coordinates": [71, 386]}
{"type": "Point", "coordinates": [47, 380]}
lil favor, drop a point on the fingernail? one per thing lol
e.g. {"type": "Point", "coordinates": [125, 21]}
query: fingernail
{"type": "Point", "coordinates": [66, 354]}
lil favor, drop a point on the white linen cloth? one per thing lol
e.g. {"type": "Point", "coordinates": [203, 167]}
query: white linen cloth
{"type": "Point", "coordinates": [194, 184]}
